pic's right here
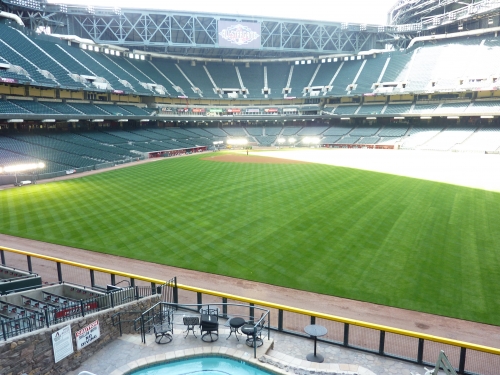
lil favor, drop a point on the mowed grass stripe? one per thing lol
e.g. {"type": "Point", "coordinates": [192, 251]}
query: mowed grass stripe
{"type": "Point", "coordinates": [381, 238]}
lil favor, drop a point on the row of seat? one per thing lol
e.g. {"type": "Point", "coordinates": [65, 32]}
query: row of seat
{"type": "Point", "coordinates": [424, 67]}
{"type": "Point", "coordinates": [24, 107]}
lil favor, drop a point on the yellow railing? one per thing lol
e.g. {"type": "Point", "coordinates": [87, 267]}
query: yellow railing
{"type": "Point", "coordinates": [359, 323]}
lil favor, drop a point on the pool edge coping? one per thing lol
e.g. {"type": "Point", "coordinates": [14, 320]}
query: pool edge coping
{"type": "Point", "coordinates": [278, 366]}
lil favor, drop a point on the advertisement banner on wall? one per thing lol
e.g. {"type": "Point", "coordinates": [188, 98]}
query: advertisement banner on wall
{"type": "Point", "coordinates": [239, 34]}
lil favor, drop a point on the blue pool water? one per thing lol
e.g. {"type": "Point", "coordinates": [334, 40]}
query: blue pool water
{"type": "Point", "coordinates": [202, 366]}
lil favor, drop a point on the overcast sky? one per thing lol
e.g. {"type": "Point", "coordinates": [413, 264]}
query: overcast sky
{"type": "Point", "coordinates": [356, 11]}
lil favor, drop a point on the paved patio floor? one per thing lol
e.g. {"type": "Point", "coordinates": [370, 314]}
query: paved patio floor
{"type": "Point", "coordinates": [127, 352]}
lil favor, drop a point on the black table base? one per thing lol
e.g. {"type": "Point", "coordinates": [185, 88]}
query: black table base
{"type": "Point", "coordinates": [315, 358]}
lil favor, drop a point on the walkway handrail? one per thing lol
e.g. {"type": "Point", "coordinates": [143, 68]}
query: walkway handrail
{"type": "Point", "coordinates": [330, 317]}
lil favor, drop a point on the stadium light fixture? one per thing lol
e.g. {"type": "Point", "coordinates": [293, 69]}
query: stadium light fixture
{"type": "Point", "coordinates": [345, 118]}
{"type": "Point", "coordinates": [399, 118]}
{"type": "Point", "coordinates": [22, 167]}
{"type": "Point", "coordinates": [453, 117]}
{"type": "Point", "coordinates": [237, 141]}
{"type": "Point", "coordinates": [291, 140]}
{"type": "Point", "coordinates": [425, 117]}
{"type": "Point", "coordinates": [371, 118]}
{"type": "Point", "coordinates": [106, 51]}
{"type": "Point", "coordinates": [297, 62]}
{"type": "Point", "coordinates": [487, 116]}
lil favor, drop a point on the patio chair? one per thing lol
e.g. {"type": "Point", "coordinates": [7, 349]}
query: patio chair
{"type": "Point", "coordinates": [163, 326]}
{"type": "Point", "coordinates": [254, 333]}
{"type": "Point", "coordinates": [209, 327]}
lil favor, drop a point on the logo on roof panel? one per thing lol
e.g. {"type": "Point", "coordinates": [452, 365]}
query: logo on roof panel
{"type": "Point", "coordinates": [239, 34]}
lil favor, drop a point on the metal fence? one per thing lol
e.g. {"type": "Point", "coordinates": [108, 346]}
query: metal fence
{"type": "Point", "coordinates": [423, 349]}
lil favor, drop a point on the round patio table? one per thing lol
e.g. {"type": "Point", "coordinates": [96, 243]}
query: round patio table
{"type": "Point", "coordinates": [315, 331]}
{"type": "Point", "coordinates": [234, 325]}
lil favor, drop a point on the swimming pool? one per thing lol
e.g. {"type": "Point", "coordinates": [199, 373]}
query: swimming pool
{"type": "Point", "coordinates": [213, 365]}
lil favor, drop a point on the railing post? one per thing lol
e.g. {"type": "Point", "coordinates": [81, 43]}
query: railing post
{"type": "Point", "coordinates": [113, 279]}
{"type": "Point", "coordinates": [111, 295]}
{"type": "Point", "coordinates": [153, 288]}
{"type": "Point", "coordinates": [420, 354]}
{"type": "Point", "coordinates": [132, 282]}
{"type": "Point", "coordinates": [92, 278]}
{"type": "Point", "coordinates": [47, 318]}
{"type": "Point", "coordinates": [313, 320]}
{"type": "Point", "coordinates": [199, 299]}
{"type": "Point", "coordinates": [461, 364]}
{"type": "Point", "coordinates": [30, 268]}
{"type": "Point", "coordinates": [3, 326]}
{"type": "Point", "coordinates": [381, 344]}
{"type": "Point", "coordinates": [82, 307]}
{"type": "Point", "coordinates": [252, 312]}
{"type": "Point", "coordinates": [346, 334]}
{"type": "Point", "coordinates": [280, 320]}
{"type": "Point", "coordinates": [255, 342]}
{"type": "Point", "coordinates": [224, 307]}
{"type": "Point", "coordinates": [59, 272]}
{"type": "Point", "coordinates": [2, 257]}
{"type": "Point", "coordinates": [176, 291]}
{"type": "Point", "coordinates": [120, 323]}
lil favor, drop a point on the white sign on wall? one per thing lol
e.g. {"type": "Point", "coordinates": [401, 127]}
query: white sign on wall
{"type": "Point", "coordinates": [87, 335]}
{"type": "Point", "coordinates": [62, 343]}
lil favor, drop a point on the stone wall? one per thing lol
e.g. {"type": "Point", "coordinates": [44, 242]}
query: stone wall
{"type": "Point", "coordinates": [32, 353]}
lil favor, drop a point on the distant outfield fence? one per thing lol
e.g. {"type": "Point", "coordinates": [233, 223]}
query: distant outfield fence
{"type": "Point", "coordinates": [419, 348]}
{"type": "Point", "coordinates": [11, 179]}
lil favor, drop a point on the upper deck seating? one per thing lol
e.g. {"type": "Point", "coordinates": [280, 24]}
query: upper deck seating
{"type": "Point", "coordinates": [301, 76]}
{"type": "Point", "coordinates": [345, 77]}
{"type": "Point", "coordinates": [253, 79]}
{"type": "Point", "coordinates": [370, 74]}
{"type": "Point", "coordinates": [277, 77]}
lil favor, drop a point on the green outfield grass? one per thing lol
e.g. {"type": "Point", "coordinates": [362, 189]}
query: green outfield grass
{"type": "Point", "coordinates": [374, 237]}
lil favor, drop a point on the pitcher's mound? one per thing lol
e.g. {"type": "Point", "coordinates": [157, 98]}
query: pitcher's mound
{"type": "Point", "coordinates": [237, 158]}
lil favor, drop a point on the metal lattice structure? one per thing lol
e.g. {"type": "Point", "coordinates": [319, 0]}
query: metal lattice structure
{"type": "Point", "coordinates": [195, 33]}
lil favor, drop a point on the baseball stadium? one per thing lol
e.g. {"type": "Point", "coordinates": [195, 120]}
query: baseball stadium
{"type": "Point", "coordinates": [268, 194]}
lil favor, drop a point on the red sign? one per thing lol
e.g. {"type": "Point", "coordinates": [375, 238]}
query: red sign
{"type": "Point", "coordinates": [198, 110]}
{"type": "Point", "coordinates": [234, 110]}
{"type": "Point", "coordinates": [271, 110]}
{"type": "Point", "coordinates": [76, 309]}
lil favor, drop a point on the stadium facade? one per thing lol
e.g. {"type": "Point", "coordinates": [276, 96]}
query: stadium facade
{"type": "Point", "coordinates": [199, 78]}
